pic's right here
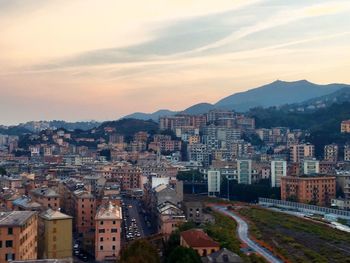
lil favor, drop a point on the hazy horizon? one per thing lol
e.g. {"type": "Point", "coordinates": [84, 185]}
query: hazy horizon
{"type": "Point", "coordinates": [81, 60]}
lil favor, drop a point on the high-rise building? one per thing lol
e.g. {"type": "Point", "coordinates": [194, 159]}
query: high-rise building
{"type": "Point", "coordinates": [107, 236]}
{"type": "Point", "coordinates": [278, 170]}
{"type": "Point", "coordinates": [214, 180]}
{"type": "Point", "coordinates": [347, 153]}
{"type": "Point", "coordinates": [55, 235]}
{"type": "Point", "coordinates": [300, 151]}
{"type": "Point", "coordinates": [244, 171]}
{"type": "Point", "coordinates": [331, 152]}
{"type": "Point", "coordinates": [18, 236]}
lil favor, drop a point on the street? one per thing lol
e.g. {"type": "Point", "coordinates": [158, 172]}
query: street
{"type": "Point", "coordinates": [243, 234]}
{"type": "Point", "coordinates": [135, 225]}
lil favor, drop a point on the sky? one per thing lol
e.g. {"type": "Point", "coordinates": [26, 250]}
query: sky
{"type": "Point", "coordinates": [102, 59]}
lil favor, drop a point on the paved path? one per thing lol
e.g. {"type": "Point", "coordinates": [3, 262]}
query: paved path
{"type": "Point", "coordinates": [244, 236]}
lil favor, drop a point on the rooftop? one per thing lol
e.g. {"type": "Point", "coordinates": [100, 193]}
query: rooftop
{"type": "Point", "coordinates": [15, 218]}
{"type": "Point", "coordinates": [50, 214]}
{"type": "Point", "coordinates": [198, 238]}
{"type": "Point", "coordinates": [109, 212]}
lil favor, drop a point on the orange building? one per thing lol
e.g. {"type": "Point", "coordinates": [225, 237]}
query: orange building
{"type": "Point", "coordinates": [108, 229]}
{"type": "Point", "coordinates": [318, 190]}
{"type": "Point", "coordinates": [47, 197]}
{"type": "Point", "coordinates": [18, 235]}
{"type": "Point", "coordinates": [199, 241]}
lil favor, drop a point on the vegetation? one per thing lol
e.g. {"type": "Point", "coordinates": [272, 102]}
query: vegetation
{"type": "Point", "coordinates": [249, 193]}
{"type": "Point", "coordinates": [130, 126]}
{"type": "Point", "coordinates": [139, 251]}
{"type": "Point", "coordinates": [2, 171]}
{"type": "Point", "coordinates": [190, 175]}
{"type": "Point", "coordinates": [182, 254]}
{"type": "Point", "coordinates": [298, 240]}
{"type": "Point", "coordinates": [323, 124]}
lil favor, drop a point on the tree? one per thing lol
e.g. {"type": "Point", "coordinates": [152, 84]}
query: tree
{"type": "Point", "coordinates": [139, 251]}
{"type": "Point", "coordinates": [2, 171]}
{"type": "Point", "coordinates": [183, 254]}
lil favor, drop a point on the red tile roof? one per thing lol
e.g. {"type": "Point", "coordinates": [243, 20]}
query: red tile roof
{"type": "Point", "coordinates": [197, 238]}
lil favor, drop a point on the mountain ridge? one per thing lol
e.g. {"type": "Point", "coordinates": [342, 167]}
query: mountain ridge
{"type": "Point", "coordinates": [276, 93]}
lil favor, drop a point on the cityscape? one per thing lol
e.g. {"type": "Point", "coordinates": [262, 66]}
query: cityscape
{"type": "Point", "coordinates": [174, 132]}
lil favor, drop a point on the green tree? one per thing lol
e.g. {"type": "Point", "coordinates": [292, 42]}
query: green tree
{"type": "Point", "coordinates": [2, 171]}
{"type": "Point", "coordinates": [183, 254]}
{"type": "Point", "coordinates": [139, 251]}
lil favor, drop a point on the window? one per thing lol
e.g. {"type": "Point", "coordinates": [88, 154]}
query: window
{"type": "Point", "coordinates": [101, 247]}
{"type": "Point", "coordinates": [10, 231]}
{"type": "Point", "coordinates": [114, 230]}
{"type": "Point", "coordinates": [54, 230]}
{"type": "Point", "coordinates": [9, 243]}
{"type": "Point", "coordinates": [9, 256]}
{"type": "Point", "coordinates": [113, 238]}
{"type": "Point", "coordinates": [101, 222]}
{"type": "Point", "coordinates": [113, 247]}
{"type": "Point", "coordinates": [54, 238]}
{"type": "Point", "coordinates": [101, 231]}
{"type": "Point", "coordinates": [101, 239]}
{"type": "Point", "coordinates": [113, 222]}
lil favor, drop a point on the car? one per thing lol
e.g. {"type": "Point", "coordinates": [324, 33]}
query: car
{"type": "Point", "coordinates": [138, 235]}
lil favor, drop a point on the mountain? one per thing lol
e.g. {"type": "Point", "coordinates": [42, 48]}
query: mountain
{"type": "Point", "coordinates": [150, 116]}
{"type": "Point", "coordinates": [276, 93]}
{"type": "Point", "coordinates": [199, 108]}
{"type": "Point", "coordinates": [339, 96]}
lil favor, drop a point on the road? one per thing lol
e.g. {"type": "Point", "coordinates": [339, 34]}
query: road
{"type": "Point", "coordinates": [244, 236]}
{"type": "Point", "coordinates": [134, 211]}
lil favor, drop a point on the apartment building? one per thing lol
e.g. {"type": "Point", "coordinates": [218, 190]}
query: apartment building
{"type": "Point", "coordinates": [108, 229]}
{"type": "Point", "coordinates": [331, 153]}
{"type": "Point", "coordinates": [345, 126]}
{"type": "Point", "coordinates": [55, 235]}
{"type": "Point", "coordinates": [18, 235]}
{"type": "Point", "coordinates": [318, 190]}
{"type": "Point", "coordinates": [244, 171]}
{"type": "Point", "coordinates": [278, 170]}
{"type": "Point", "coordinates": [298, 152]}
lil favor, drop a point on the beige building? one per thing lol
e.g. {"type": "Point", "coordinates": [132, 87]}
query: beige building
{"type": "Point", "coordinates": [55, 235]}
{"type": "Point", "coordinates": [107, 236]}
{"type": "Point", "coordinates": [18, 235]}
{"type": "Point", "coordinates": [300, 151]}
{"type": "Point", "coordinates": [345, 126]}
{"type": "Point", "coordinates": [331, 152]}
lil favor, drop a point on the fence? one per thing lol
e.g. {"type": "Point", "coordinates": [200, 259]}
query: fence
{"type": "Point", "coordinates": [304, 208]}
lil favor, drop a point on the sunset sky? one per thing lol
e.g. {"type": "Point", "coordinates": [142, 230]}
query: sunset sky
{"type": "Point", "coordinates": [102, 59]}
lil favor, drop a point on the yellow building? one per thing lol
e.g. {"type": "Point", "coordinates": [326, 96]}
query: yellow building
{"type": "Point", "coordinates": [55, 235]}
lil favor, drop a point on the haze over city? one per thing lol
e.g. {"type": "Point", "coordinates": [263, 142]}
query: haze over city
{"type": "Point", "coordinates": [85, 59]}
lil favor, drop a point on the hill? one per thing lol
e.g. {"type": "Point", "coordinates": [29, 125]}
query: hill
{"type": "Point", "coordinates": [129, 126]}
{"type": "Point", "coordinates": [277, 93]}
{"type": "Point", "coordinates": [150, 116]}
